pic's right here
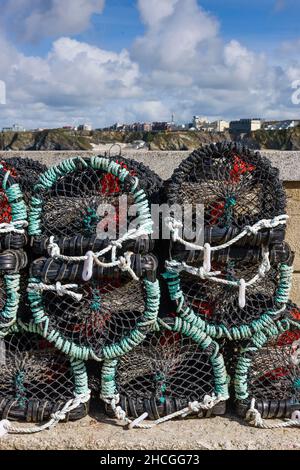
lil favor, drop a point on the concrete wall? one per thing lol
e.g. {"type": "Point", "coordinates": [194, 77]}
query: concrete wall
{"type": "Point", "coordinates": [164, 163]}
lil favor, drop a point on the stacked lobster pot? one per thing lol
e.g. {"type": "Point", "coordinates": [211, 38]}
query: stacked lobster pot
{"type": "Point", "coordinates": [37, 382]}
{"type": "Point", "coordinates": [93, 288]}
{"type": "Point", "coordinates": [176, 371]}
{"type": "Point", "coordinates": [232, 280]}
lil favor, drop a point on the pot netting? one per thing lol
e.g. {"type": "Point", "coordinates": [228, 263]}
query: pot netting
{"type": "Point", "coordinates": [150, 182]}
{"type": "Point", "coordinates": [102, 318]}
{"type": "Point", "coordinates": [237, 188]}
{"type": "Point", "coordinates": [165, 373]}
{"type": "Point", "coordinates": [216, 307]}
{"type": "Point", "coordinates": [26, 172]}
{"type": "Point", "coordinates": [36, 380]}
{"type": "Point", "coordinates": [268, 370]}
{"type": "Point", "coordinates": [13, 214]}
{"type": "Point", "coordinates": [77, 203]}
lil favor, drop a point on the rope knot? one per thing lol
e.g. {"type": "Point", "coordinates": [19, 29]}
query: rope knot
{"type": "Point", "coordinates": [53, 248]}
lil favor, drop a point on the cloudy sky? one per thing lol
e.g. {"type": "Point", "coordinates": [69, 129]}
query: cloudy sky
{"type": "Point", "coordinates": [102, 61]}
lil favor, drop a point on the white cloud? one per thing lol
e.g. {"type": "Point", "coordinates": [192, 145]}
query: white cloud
{"type": "Point", "coordinates": [175, 31]}
{"type": "Point", "coordinates": [181, 64]}
{"type": "Point", "coordinates": [35, 19]}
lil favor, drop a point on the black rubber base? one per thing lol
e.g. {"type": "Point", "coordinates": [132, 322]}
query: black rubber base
{"type": "Point", "coordinates": [155, 410]}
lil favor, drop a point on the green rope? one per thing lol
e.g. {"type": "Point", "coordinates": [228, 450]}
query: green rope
{"type": "Point", "coordinates": [126, 344]}
{"type": "Point", "coordinates": [20, 388]}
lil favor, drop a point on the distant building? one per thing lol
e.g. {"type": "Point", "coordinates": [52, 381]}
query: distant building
{"type": "Point", "coordinates": [69, 128]}
{"type": "Point", "coordinates": [281, 125]}
{"type": "Point", "coordinates": [222, 126]}
{"type": "Point", "coordinates": [161, 126]}
{"type": "Point", "coordinates": [84, 127]}
{"type": "Point", "coordinates": [245, 125]}
{"type": "Point", "coordinates": [14, 128]}
{"type": "Point", "coordinates": [199, 122]}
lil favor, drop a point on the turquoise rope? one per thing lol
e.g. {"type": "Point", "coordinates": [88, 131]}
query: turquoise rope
{"type": "Point", "coordinates": [126, 344]}
{"type": "Point", "coordinates": [8, 314]}
{"type": "Point", "coordinates": [15, 198]}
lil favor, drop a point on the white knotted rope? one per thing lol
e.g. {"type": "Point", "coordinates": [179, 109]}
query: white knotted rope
{"type": "Point", "coordinates": [90, 257]}
{"type": "Point", "coordinates": [60, 289]}
{"type": "Point", "coordinates": [242, 285]}
{"type": "Point", "coordinates": [11, 227]}
{"type": "Point", "coordinates": [7, 427]}
{"type": "Point", "coordinates": [194, 407]}
{"type": "Point", "coordinates": [254, 418]}
{"type": "Point", "coordinates": [174, 226]}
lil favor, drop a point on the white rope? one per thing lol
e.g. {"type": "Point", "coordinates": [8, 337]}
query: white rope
{"type": "Point", "coordinates": [90, 257]}
{"type": "Point", "coordinates": [124, 263]}
{"type": "Point", "coordinates": [58, 287]}
{"type": "Point", "coordinates": [7, 427]}
{"type": "Point", "coordinates": [254, 418]}
{"type": "Point", "coordinates": [295, 356]}
{"type": "Point", "coordinates": [12, 227]}
{"type": "Point", "coordinates": [194, 407]}
{"type": "Point", "coordinates": [242, 285]}
{"type": "Point", "coordinates": [175, 225]}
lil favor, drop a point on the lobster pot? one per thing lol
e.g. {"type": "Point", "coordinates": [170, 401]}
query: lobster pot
{"type": "Point", "coordinates": [215, 307]}
{"type": "Point", "coordinates": [26, 172]}
{"type": "Point", "coordinates": [170, 369]}
{"type": "Point", "coordinates": [36, 380]}
{"type": "Point", "coordinates": [11, 264]}
{"type": "Point", "coordinates": [104, 317]}
{"type": "Point", "coordinates": [236, 188]}
{"type": "Point", "coordinates": [81, 205]}
{"type": "Point", "coordinates": [13, 213]}
{"type": "Point", "coordinates": [268, 370]}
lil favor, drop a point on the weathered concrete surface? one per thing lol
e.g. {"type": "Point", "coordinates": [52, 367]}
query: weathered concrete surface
{"type": "Point", "coordinates": [164, 163]}
{"type": "Point", "coordinates": [193, 434]}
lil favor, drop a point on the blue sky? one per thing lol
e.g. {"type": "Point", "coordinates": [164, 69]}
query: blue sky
{"type": "Point", "coordinates": [115, 60]}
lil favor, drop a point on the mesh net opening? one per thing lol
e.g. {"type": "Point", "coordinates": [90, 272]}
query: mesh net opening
{"type": "Point", "coordinates": [164, 374]}
{"type": "Point", "coordinates": [219, 304]}
{"type": "Point", "coordinates": [35, 379]}
{"type": "Point", "coordinates": [236, 186]}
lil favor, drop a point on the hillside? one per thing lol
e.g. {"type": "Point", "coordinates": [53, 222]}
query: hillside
{"type": "Point", "coordinates": [60, 139]}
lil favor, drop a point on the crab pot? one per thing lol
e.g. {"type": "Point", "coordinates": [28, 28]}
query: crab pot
{"type": "Point", "coordinates": [111, 315]}
{"type": "Point", "coordinates": [166, 372]}
{"type": "Point", "coordinates": [268, 370]}
{"type": "Point", "coordinates": [79, 203]}
{"type": "Point", "coordinates": [36, 380]}
{"type": "Point", "coordinates": [236, 187]}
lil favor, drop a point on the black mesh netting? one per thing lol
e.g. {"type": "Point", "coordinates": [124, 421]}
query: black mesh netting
{"type": "Point", "coordinates": [150, 182]}
{"type": "Point", "coordinates": [164, 374]}
{"type": "Point", "coordinates": [26, 172]}
{"type": "Point", "coordinates": [236, 186]}
{"type": "Point", "coordinates": [271, 374]}
{"type": "Point", "coordinates": [35, 379]}
{"type": "Point", "coordinates": [111, 306]}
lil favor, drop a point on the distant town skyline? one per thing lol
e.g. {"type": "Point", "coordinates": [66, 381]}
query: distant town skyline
{"type": "Point", "coordinates": [105, 61]}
